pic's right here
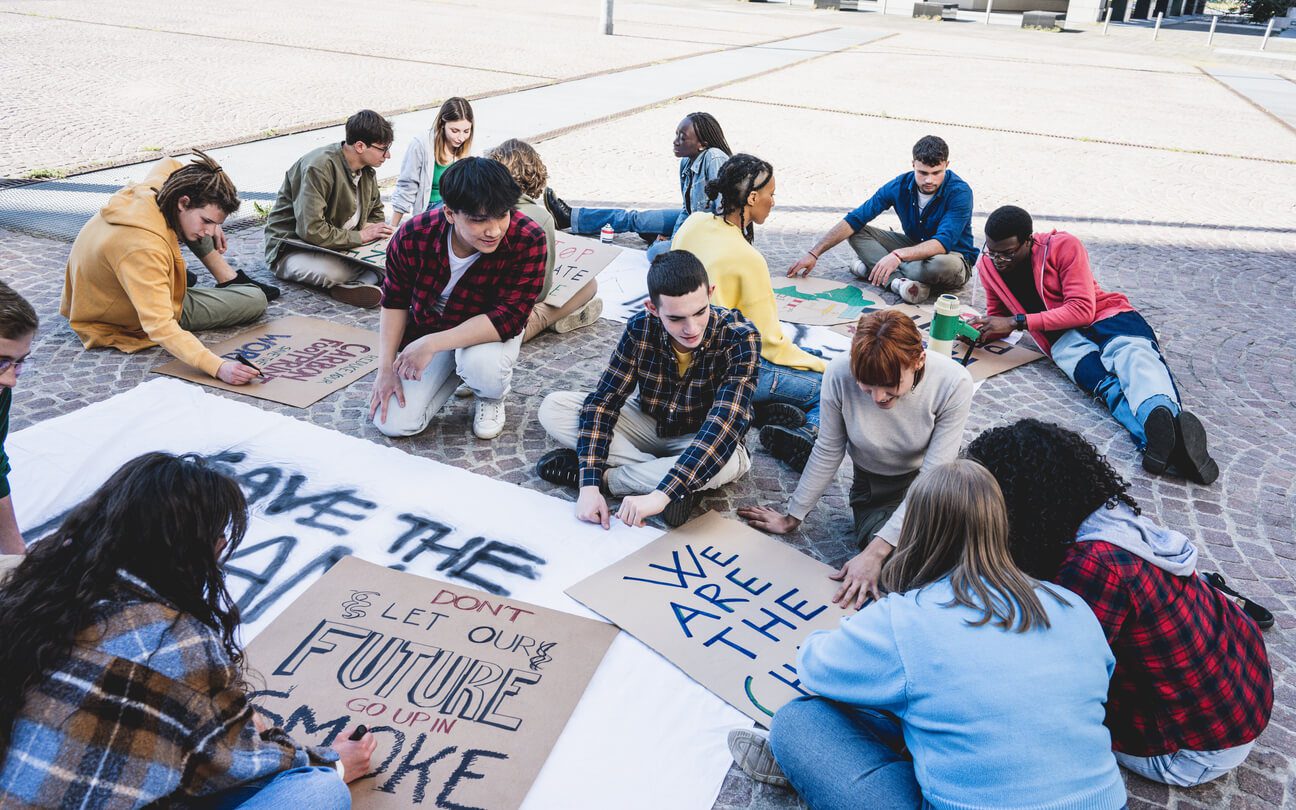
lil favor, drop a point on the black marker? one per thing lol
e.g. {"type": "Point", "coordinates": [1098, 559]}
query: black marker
{"type": "Point", "coordinates": [239, 357]}
{"type": "Point", "coordinates": [358, 733]}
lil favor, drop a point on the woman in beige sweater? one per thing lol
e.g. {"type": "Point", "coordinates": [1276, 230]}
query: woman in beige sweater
{"type": "Point", "coordinates": [899, 411]}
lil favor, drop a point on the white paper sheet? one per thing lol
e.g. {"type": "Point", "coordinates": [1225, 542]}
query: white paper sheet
{"type": "Point", "coordinates": [643, 736]}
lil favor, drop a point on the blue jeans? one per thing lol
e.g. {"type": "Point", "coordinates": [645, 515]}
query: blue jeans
{"type": "Point", "coordinates": [1119, 360]}
{"type": "Point", "coordinates": [658, 220]}
{"type": "Point", "coordinates": [840, 756]}
{"type": "Point", "coordinates": [1187, 768]}
{"type": "Point", "coordinates": [791, 386]}
{"type": "Point", "coordinates": [313, 787]}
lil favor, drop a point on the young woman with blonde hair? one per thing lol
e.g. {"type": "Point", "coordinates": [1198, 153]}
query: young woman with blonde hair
{"type": "Point", "coordinates": [450, 138]}
{"type": "Point", "coordinates": [969, 684]}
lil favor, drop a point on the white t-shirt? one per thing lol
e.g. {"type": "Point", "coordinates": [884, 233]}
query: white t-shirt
{"type": "Point", "coordinates": [923, 199]}
{"type": "Point", "coordinates": [351, 223]}
{"type": "Point", "coordinates": [458, 267]}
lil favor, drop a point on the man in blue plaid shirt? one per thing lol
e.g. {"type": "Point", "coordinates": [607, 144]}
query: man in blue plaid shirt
{"type": "Point", "coordinates": [694, 366]}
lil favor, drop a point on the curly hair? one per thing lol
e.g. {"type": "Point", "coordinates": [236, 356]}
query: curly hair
{"type": "Point", "coordinates": [1052, 479]}
{"type": "Point", "coordinates": [524, 163]}
{"type": "Point", "coordinates": [738, 178]}
{"type": "Point", "coordinates": [159, 517]}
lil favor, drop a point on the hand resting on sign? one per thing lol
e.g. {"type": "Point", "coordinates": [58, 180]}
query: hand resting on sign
{"type": "Point", "coordinates": [859, 576]}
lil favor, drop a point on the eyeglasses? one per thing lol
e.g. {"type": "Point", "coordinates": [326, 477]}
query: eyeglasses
{"type": "Point", "coordinates": [1005, 255]}
{"type": "Point", "coordinates": [9, 363]}
{"type": "Point", "coordinates": [386, 150]}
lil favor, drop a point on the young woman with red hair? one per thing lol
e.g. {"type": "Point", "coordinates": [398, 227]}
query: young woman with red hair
{"type": "Point", "coordinates": [899, 411]}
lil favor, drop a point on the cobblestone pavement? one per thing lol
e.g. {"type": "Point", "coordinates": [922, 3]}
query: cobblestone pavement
{"type": "Point", "coordinates": [1204, 244]}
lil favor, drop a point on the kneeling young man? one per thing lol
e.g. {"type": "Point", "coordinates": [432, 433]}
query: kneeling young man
{"type": "Point", "coordinates": [1041, 282]}
{"type": "Point", "coordinates": [126, 285]}
{"type": "Point", "coordinates": [695, 368]}
{"type": "Point", "coordinates": [461, 281]}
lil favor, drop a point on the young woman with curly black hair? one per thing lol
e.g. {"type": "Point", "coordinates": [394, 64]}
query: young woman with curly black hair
{"type": "Point", "coordinates": [788, 382]}
{"type": "Point", "coordinates": [1192, 687]}
{"type": "Point", "coordinates": [123, 680]}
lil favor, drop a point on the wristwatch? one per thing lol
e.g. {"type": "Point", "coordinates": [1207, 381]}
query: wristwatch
{"type": "Point", "coordinates": [1019, 322]}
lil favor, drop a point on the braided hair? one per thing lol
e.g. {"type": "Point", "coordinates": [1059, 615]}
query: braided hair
{"type": "Point", "coordinates": [738, 178]}
{"type": "Point", "coordinates": [1052, 479]}
{"type": "Point", "coordinates": [708, 131]}
{"type": "Point", "coordinates": [204, 182]}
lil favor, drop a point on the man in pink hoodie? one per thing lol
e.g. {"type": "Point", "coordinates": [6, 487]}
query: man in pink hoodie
{"type": "Point", "coordinates": [1041, 282]}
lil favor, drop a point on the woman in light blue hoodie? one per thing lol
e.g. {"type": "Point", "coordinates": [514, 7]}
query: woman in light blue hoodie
{"type": "Point", "coordinates": [969, 686]}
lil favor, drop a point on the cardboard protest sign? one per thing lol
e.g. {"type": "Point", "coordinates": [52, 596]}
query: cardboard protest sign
{"type": "Point", "coordinates": [577, 261]}
{"type": "Point", "coordinates": [993, 358]}
{"type": "Point", "coordinates": [302, 360]}
{"type": "Point", "coordinates": [372, 255]}
{"type": "Point", "coordinates": [466, 692]}
{"type": "Point", "coordinates": [723, 602]}
{"type": "Point", "coordinates": [818, 301]}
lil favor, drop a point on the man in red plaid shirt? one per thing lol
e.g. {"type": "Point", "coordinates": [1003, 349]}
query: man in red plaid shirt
{"type": "Point", "coordinates": [694, 366]}
{"type": "Point", "coordinates": [461, 281]}
{"type": "Point", "coordinates": [1192, 688]}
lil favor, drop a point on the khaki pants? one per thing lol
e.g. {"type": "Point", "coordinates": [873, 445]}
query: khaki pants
{"type": "Point", "coordinates": [545, 316]}
{"type": "Point", "coordinates": [322, 270]}
{"type": "Point", "coordinates": [218, 308]}
{"type": "Point", "coordinates": [946, 271]}
{"type": "Point", "coordinates": [486, 368]}
{"type": "Point", "coordinates": [638, 459]}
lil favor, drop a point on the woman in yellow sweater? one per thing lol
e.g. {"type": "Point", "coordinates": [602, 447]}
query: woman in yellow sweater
{"type": "Point", "coordinates": [787, 391]}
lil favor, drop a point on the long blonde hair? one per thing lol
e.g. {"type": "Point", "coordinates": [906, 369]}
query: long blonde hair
{"type": "Point", "coordinates": [956, 525]}
{"type": "Point", "coordinates": [453, 109]}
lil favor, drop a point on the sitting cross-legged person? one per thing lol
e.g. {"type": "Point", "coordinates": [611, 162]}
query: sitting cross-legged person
{"type": "Point", "coordinates": [694, 366]}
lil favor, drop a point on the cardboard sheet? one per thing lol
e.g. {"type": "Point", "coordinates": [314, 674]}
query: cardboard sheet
{"type": "Point", "coordinates": [819, 301]}
{"type": "Point", "coordinates": [726, 603]}
{"type": "Point", "coordinates": [578, 260]}
{"type": "Point", "coordinates": [464, 691]}
{"type": "Point", "coordinates": [372, 255]}
{"type": "Point", "coordinates": [302, 360]}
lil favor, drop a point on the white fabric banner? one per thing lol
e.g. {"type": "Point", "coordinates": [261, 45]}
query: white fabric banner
{"type": "Point", "coordinates": [643, 736]}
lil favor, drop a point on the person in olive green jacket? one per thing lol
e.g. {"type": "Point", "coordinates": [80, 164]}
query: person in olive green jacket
{"type": "Point", "coordinates": [18, 324]}
{"type": "Point", "coordinates": [330, 198]}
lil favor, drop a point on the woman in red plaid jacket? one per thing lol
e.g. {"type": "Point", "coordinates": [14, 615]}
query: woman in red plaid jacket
{"type": "Point", "coordinates": [1192, 688]}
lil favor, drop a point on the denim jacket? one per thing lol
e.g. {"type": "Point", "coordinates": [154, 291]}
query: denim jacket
{"type": "Point", "coordinates": [694, 174]}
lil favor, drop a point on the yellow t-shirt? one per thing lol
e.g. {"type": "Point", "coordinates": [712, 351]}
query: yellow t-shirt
{"type": "Point", "coordinates": [742, 282]}
{"type": "Point", "coordinates": [683, 360]}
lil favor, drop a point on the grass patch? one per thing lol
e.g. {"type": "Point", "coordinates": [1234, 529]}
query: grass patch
{"type": "Point", "coordinates": [46, 174]}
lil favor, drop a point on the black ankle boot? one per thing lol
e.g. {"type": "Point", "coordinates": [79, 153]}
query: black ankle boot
{"type": "Point", "coordinates": [559, 210]}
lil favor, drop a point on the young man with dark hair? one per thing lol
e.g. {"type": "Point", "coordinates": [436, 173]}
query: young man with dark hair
{"type": "Point", "coordinates": [18, 324]}
{"type": "Point", "coordinates": [126, 284]}
{"type": "Point", "coordinates": [330, 198]}
{"type": "Point", "coordinates": [461, 281]}
{"type": "Point", "coordinates": [934, 254]}
{"type": "Point", "coordinates": [695, 367]}
{"type": "Point", "coordinates": [1041, 283]}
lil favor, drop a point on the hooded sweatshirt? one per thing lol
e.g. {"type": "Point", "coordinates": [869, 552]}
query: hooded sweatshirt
{"type": "Point", "coordinates": [1167, 549]}
{"type": "Point", "coordinates": [125, 282]}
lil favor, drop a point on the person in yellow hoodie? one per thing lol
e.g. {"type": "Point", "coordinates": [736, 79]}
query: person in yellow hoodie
{"type": "Point", "coordinates": [125, 285]}
{"type": "Point", "coordinates": [787, 389]}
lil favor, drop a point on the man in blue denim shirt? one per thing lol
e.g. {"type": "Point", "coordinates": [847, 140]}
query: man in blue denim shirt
{"type": "Point", "coordinates": [935, 252]}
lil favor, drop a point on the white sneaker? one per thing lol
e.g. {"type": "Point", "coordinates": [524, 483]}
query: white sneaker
{"type": "Point", "coordinates": [750, 750]}
{"type": "Point", "coordinates": [463, 391]}
{"type": "Point", "coordinates": [488, 422]}
{"type": "Point", "coordinates": [584, 316]}
{"type": "Point", "coordinates": [910, 291]}
{"type": "Point", "coordinates": [858, 270]}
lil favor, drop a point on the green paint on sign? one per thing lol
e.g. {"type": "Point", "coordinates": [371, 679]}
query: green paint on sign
{"type": "Point", "coordinates": [849, 296]}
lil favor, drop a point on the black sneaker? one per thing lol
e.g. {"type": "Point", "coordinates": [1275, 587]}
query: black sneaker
{"type": "Point", "coordinates": [559, 210]}
{"type": "Point", "coordinates": [1191, 456]}
{"type": "Point", "coordinates": [1162, 438]}
{"type": "Point", "coordinates": [271, 292]}
{"type": "Point", "coordinates": [788, 445]}
{"type": "Point", "coordinates": [561, 467]}
{"type": "Point", "coordinates": [191, 278]}
{"type": "Point", "coordinates": [1261, 616]}
{"type": "Point", "coordinates": [779, 413]}
{"type": "Point", "coordinates": [678, 511]}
